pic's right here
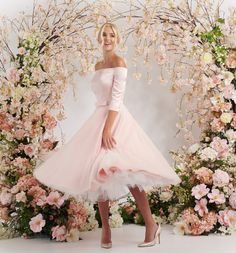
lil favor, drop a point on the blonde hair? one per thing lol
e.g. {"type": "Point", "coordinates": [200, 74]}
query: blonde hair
{"type": "Point", "coordinates": [115, 30]}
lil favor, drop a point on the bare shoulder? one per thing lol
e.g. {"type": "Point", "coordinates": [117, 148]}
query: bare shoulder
{"type": "Point", "coordinates": [120, 62]}
{"type": "Point", "coordinates": [97, 65]}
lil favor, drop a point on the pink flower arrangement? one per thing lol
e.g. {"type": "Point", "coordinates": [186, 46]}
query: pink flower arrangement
{"type": "Point", "coordinates": [49, 121]}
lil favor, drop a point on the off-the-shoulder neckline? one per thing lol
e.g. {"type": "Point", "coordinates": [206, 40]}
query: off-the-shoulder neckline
{"type": "Point", "coordinates": [111, 68]}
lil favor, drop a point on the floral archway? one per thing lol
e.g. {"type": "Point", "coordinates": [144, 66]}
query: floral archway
{"type": "Point", "coordinates": [36, 72]}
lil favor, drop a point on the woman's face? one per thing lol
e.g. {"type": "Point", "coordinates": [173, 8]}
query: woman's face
{"type": "Point", "coordinates": [108, 38]}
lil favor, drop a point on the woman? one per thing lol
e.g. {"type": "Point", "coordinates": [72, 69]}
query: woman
{"type": "Point", "coordinates": [110, 155]}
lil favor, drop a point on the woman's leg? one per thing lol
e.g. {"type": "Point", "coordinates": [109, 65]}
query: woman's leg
{"type": "Point", "coordinates": [143, 205]}
{"type": "Point", "coordinates": [103, 207]}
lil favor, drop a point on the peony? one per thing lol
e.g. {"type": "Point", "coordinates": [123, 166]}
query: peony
{"type": "Point", "coordinates": [37, 223]}
{"type": "Point", "coordinates": [216, 197]}
{"type": "Point", "coordinates": [54, 198]}
{"type": "Point", "coordinates": [226, 117]}
{"type": "Point", "coordinates": [220, 178]}
{"type": "Point", "coordinates": [199, 191]}
{"type": "Point", "coordinates": [59, 233]}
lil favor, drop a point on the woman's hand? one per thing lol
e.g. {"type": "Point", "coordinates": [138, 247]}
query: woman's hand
{"type": "Point", "coordinates": [108, 142]}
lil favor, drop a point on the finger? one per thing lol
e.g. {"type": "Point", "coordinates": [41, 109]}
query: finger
{"type": "Point", "coordinates": [114, 141]}
{"type": "Point", "coordinates": [110, 145]}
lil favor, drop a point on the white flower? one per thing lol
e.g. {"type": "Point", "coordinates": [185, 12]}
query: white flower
{"type": "Point", "coordinates": [72, 235]}
{"type": "Point", "coordinates": [180, 228]}
{"type": "Point", "coordinates": [21, 197]}
{"type": "Point", "coordinates": [115, 220]}
{"type": "Point", "coordinates": [226, 117]}
{"type": "Point", "coordinates": [231, 135]}
{"type": "Point", "coordinates": [227, 77]}
{"type": "Point", "coordinates": [193, 148]}
{"type": "Point", "coordinates": [208, 153]}
{"type": "Point", "coordinates": [166, 195]}
{"type": "Point", "coordinates": [206, 58]}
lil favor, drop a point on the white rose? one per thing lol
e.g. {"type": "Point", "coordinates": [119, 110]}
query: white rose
{"type": "Point", "coordinates": [206, 58]}
{"type": "Point", "coordinates": [193, 148]}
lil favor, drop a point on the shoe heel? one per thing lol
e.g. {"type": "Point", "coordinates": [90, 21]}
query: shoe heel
{"type": "Point", "coordinates": [159, 238]}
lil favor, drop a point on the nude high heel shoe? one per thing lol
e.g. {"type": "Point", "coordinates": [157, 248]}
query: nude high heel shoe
{"type": "Point", "coordinates": [157, 238]}
{"type": "Point", "coordinates": [106, 245]}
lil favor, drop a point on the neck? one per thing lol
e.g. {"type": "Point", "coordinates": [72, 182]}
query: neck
{"type": "Point", "coordinates": [108, 57]}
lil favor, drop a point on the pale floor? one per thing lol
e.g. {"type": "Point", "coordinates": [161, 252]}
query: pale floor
{"type": "Point", "coordinates": [125, 239]}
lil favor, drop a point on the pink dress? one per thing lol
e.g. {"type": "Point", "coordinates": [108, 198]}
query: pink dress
{"type": "Point", "coordinates": [84, 169]}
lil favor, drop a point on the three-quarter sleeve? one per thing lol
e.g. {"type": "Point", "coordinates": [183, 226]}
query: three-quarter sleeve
{"type": "Point", "coordinates": [118, 88]}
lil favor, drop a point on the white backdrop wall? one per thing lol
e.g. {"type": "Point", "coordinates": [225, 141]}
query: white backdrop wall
{"type": "Point", "coordinates": [153, 106]}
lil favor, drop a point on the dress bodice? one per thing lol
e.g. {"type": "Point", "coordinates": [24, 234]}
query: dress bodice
{"type": "Point", "coordinates": [108, 85]}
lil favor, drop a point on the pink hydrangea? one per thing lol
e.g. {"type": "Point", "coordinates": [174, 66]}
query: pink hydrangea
{"type": "Point", "coordinates": [59, 233]}
{"type": "Point", "coordinates": [199, 191]}
{"type": "Point", "coordinates": [220, 178]}
{"type": "Point", "coordinates": [216, 197]}
{"type": "Point", "coordinates": [37, 223]}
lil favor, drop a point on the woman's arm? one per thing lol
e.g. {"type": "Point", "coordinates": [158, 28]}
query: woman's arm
{"type": "Point", "coordinates": [117, 97]}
